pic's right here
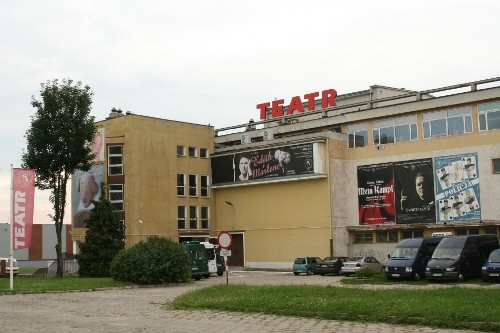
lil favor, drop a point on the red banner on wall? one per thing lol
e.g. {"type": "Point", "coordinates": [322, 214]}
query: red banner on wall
{"type": "Point", "coordinates": [23, 197]}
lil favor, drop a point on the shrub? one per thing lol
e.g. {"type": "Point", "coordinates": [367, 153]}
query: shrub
{"type": "Point", "coordinates": [158, 260]}
{"type": "Point", "coordinates": [365, 273]}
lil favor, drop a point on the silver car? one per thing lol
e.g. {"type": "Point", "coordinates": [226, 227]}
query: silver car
{"type": "Point", "coordinates": [354, 264]}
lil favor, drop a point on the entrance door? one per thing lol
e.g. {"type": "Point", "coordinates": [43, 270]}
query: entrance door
{"type": "Point", "coordinates": [236, 258]}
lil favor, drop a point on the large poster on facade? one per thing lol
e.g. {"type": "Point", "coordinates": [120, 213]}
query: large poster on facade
{"type": "Point", "coordinates": [414, 186]}
{"type": "Point", "coordinates": [263, 164]}
{"type": "Point", "coordinates": [86, 188]}
{"type": "Point", "coordinates": [457, 188]}
{"type": "Point", "coordinates": [376, 194]}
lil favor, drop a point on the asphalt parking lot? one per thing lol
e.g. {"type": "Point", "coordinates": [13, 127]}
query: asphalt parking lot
{"type": "Point", "coordinates": [140, 310]}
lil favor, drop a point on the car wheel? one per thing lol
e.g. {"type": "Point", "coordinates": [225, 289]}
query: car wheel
{"type": "Point", "coordinates": [295, 273]}
{"type": "Point", "coordinates": [485, 279]}
{"type": "Point", "coordinates": [322, 274]}
{"type": "Point", "coordinates": [460, 277]}
{"type": "Point", "coordinates": [417, 276]}
{"type": "Point", "coordinates": [197, 277]}
{"type": "Point", "coordinates": [309, 272]}
{"type": "Point", "coordinates": [220, 273]}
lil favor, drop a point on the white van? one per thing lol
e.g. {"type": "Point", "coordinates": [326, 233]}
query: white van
{"type": "Point", "coordinates": [7, 265]}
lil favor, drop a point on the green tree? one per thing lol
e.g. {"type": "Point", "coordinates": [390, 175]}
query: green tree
{"type": "Point", "coordinates": [105, 237]}
{"type": "Point", "coordinates": [58, 143]}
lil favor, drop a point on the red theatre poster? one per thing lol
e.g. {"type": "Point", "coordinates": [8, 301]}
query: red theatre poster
{"type": "Point", "coordinates": [23, 197]}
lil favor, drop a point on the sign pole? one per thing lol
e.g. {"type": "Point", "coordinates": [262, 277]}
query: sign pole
{"type": "Point", "coordinates": [225, 240]}
{"type": "Point", "coordinates": [11, 238]}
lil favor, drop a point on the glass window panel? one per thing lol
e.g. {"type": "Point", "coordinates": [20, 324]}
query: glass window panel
{"type": "Point", "coordinates": [351, 140]}
{"type": "Point", "coordinates": [427, 130]}
{"type": "Point", "coordinates": [383, 123]}
{"type": "Point", "coordinates": [460, 111]}
{"type": "Point", "coordinates": [496, 165]}
{"type": "Point", "coordinates": [455, 125]}
{"type": "Point", "coordinates": [482, 122]}
{"type": "Point", "coordinates": [361, 139]}
{"type": "Point", "coordinates": [489, 106]}
{"type": "Point", "coordinates": [493, 120]}
{"type": "Point", "coordinates": [180, 184]}
{"type": "Point", "coordinates": [405, 120]}
{"type": "Point", "coordinates": [468, 124]}
{"type": "Point", "coordinates": [402, 133]}
{"type": "Point", "coordinates": [115, 150]}
{"type": "Point", "coordinates": [376, 139]}
{"type": "Point", "coordinates": [387, 135]}
{"type": "Point", "coordinates": [434, 115]}
{"type": "Point", "coordinates": [413, 128]}
{"type": "Point", "coordinates": [438, 127]}
{"type": "Point", "coordinates": [115, 170]}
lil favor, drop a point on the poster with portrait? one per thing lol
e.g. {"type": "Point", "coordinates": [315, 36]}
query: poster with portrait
{"type": "Point", "coordinates": [459, 198]}
{"type": "Point", "coordinates": [414, 186]}
{"type": "Point", "coordinates": [274, 162]}
{"type": "Point", "coordinates": [376, 194]}
{"type": "Point", "coordinates": [86, 188]}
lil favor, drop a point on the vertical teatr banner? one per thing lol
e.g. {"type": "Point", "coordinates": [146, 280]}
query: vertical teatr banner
{"type": "Point", "coordinates": [23, 195]}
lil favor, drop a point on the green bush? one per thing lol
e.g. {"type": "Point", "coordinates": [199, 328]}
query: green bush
{"type": "Point", "coordinates": [365, 273]}
{"type": "Point", "coordinates": [158, 260]}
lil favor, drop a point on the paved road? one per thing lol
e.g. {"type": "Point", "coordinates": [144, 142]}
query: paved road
{"type": "Point", "coordinates": [140, 310]}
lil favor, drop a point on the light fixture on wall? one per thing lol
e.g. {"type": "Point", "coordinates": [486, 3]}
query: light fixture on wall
{"type": "Point", "coordinates": [234, 211]}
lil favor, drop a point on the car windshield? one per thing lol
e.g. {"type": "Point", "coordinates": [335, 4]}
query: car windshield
{"type": "Point", "coordinates": [494, 257]}
{"type": "Point", "coordinates": [300, 261]}
{"type": "Point", "coordinates": [404, 253]}
{"type": "Point", "coordinates": [446, 253]}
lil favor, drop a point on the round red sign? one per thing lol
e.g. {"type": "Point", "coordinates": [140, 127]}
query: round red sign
{"type": "Point", "coordinates": [225, 240]}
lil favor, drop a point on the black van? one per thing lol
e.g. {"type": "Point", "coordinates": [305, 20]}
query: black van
{"type": "Point", "coordinates": [409, 258]}
{"type": "Point", "coordinates": [460, 257]}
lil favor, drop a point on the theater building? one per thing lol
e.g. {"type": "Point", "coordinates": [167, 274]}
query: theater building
{"type": "Point", "coordinates": [157, 174]}
{"type": "Point", "coordinates": [355, 176]}
{"type": "Point", "coordinates": [318, 174]}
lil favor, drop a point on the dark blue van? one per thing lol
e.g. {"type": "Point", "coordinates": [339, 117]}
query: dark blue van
{"type": "Point", "coordinates": [460, 257]}
{"type": "Point", "coordinates": [409, 258]}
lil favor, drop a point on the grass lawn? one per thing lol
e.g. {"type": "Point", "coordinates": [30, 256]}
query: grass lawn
{"type": "Point", "coordinates": [45, 284]}
{"type": "Point", "coordinates": [455, 307]}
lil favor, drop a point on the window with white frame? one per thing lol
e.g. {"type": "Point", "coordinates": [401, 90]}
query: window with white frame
{"type": "Point", "coordinates": [193, 217]}
{"type": "Point", "coordinates": [383, 131]}
{"type": "Point", "coordinates": [358, 135]}
{"type": "Point", "coordinates": [204, 186]}
{"type": "Point", "coordinates": [181, 151]}
{"type": "Point", "coordinates": [116, 196]}
{"type": "Point", "coordinates": [489, 116]}
{"type": "Point", "coordinates": [192, 151]}
{"type": "Point", "coordinates": [405, 128]}
{"type": "Point", "coordinates": [181, 184]}
{"type": "Point", "coordinates": [447, 122]}
{"type": "Point", "coordinates": [115, 160]}
{"type": "Point", "coordinates": [193, 186]}
{"type": "Point", "coordinates": [181, 217]}
{"type": "Point", "coordinates": [203, 152]}
{"type": "Point", "coordinates": [205, 218]}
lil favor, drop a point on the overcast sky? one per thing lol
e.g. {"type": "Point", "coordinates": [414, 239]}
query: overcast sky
{"type": "Point", "coordinates": [212, 62]}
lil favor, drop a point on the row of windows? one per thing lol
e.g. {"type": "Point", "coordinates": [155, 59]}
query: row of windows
{"type": "Point", "coordinates": [434, 124]}
{"type": "Point", "coordinates": [393, 235]}
{"type": "Point", "coordinates": [192, 152]}
{"type": "Point", "coordinates": [196, 215]}
{"type": "Point", "coordinates": [192, 185]}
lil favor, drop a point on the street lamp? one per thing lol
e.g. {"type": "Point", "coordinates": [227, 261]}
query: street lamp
{"type": "Point", "coordinates": [234, 213]}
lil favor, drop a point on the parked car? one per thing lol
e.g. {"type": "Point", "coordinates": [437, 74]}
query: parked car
{"type": "Point", "coordinates": [354, 264]}
{"type": "Point", "coordinates": [491, 268]}
{"type": "Point", "coordinates": [305, 265]}
{"type": "Point", "coordinates": [330, 265]}
{"type": "Point", "coordinates": [7, 265]}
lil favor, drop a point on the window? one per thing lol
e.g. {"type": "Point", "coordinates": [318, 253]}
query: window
{"type": "Point", "coordinates": [358, 135]}
{"type": "Point", "coordinates": [496, 165]}
{"type": "Point", "coordinates": [489, 116]}
{"type": "Point", "coordinates": [413, 233]}
{"type": "Point", "coordinates": [204, 185]}
{"type": "Point", "coordinates": [181, 217]}
{"type": "Point", "coordinates": [203, 152]}
{"type": "Point", "coordinates": [205, 218]}
{"type": "Point", "coordinates": [491, 231]}
{"type": "Point", "coordinates": [115, 160]}
{"type": "Point", "coordinates": [447, 122]}
{"type": "Point", "coordinates": [181, 151]}
{"type": "Point", "coordinates": [192, 151]}
{"type": "Point", "coordinates": [465, 232]}
{"type": "Point", "coordinates": [363, 237]}
{"type": "Point", "coordinates": [383, 131]}
{"type": "Point", "coordinates": [193, 217]}
{"type": "Point", "coordinates": [405, 128]}
{"type": "Point", "coordinates": [181, 184]}
{"type": "Point", "coordinates": [193, 186]}
{"type": "Point", "coordinates": [387, 236]}
{"type": "Point", "coordinates": [116, 196]}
